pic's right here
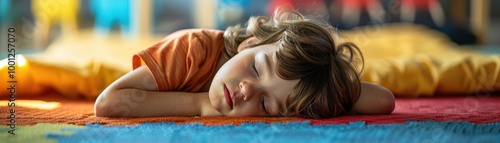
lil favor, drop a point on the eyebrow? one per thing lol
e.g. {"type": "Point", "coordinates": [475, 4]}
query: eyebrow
{"type": "Point", "coordinates": [269, 72]}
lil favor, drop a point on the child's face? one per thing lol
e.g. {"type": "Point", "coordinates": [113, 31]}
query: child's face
{"type": "Point", "coordinates": [251, 91]}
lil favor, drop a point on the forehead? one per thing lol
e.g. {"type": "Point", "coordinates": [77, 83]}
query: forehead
{"type": "Point", "coordinates": [267, 48]}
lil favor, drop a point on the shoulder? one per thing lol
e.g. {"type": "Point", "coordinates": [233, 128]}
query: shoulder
{"type": "Point", "coordinates": [186, 39]}
{"type": "Point", "coordinates": [193, 38]}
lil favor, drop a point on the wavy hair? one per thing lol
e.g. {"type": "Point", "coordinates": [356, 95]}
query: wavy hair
{"type": "Point", "coordinates": [329, 80]}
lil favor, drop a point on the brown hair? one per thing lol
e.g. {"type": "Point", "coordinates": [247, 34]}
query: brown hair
{"type": "Point", "coordinates": [329, 82]}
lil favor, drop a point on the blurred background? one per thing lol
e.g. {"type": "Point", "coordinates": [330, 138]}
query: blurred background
{"type": "Point", "coordinates": [40, 23]}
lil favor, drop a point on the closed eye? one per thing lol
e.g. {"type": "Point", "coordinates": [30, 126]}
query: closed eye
{"type": "Point", "coordinates": [255, 69]}
{"type": "Point", "coordinates": [262, 104]}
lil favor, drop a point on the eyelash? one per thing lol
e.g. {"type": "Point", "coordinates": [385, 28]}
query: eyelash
{"type": "Point", "coordinates": [262, 105]}
{"type": "Point", "coordinates": [255, 69]}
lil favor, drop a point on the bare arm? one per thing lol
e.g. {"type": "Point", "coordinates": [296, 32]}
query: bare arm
{"type": "Point", "coordinates": [374, 99]}
{"type": "Point", "coordinates": [135, 95]}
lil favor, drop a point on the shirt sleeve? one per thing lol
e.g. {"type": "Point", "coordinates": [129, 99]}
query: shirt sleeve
{"type": "Point", "coordinates": [184, 60]}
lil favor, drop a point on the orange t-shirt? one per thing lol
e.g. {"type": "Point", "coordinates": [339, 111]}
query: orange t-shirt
{"type": "Point", "coordinates": [184, 60]}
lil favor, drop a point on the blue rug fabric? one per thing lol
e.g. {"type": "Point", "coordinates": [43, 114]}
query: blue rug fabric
{"type": "Point", "coordinates": [411, 132]}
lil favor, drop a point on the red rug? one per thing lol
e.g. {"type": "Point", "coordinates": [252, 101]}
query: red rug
{"type": "Point", "coordinates": [484, 109]}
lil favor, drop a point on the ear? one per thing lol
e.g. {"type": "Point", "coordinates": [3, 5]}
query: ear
{"type": "Point", "coordinates": [245, 44]}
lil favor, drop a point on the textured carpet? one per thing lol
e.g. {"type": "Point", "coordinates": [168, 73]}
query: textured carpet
{"type": "Point", "coordinates": [411, 132]}
{"type": "Point", "coordinates": [475, 109]}
{"type": "Point", "coordinates": [36, 133]}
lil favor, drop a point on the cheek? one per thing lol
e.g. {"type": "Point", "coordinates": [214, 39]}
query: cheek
{"type": "Point", "coordinates": [232, 70]}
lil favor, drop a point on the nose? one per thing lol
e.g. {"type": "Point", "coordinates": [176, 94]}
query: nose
{"type": "Point", "coordinates": [248, 90]}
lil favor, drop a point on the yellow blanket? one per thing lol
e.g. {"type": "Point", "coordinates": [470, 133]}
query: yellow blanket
{"type": "Point", "coordinates": [414, 61]}
{"type": "Point", "coordinates": [411, 61]}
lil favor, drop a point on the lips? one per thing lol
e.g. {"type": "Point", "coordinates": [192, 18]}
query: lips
{"type": "Point", "coordinates": [229, 101]}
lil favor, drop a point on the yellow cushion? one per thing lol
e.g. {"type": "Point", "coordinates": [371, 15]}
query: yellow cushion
{"type": "Point", "coordinates": [76, 66]}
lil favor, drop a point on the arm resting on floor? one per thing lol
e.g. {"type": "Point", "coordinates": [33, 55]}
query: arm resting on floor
{"type": "Point", "coordinates": [374, 99]}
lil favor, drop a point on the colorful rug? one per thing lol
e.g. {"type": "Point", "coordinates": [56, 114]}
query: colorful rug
{"type": "Point", "coordinates": [437, 119]}
{"type": "Point", "coordinates": [475, 109]}
{"type": "Point", "coordinates": [411, 132]}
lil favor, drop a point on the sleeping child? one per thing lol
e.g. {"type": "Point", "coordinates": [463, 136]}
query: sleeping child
{"type": "Point", "coordinates": [287, 65]}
